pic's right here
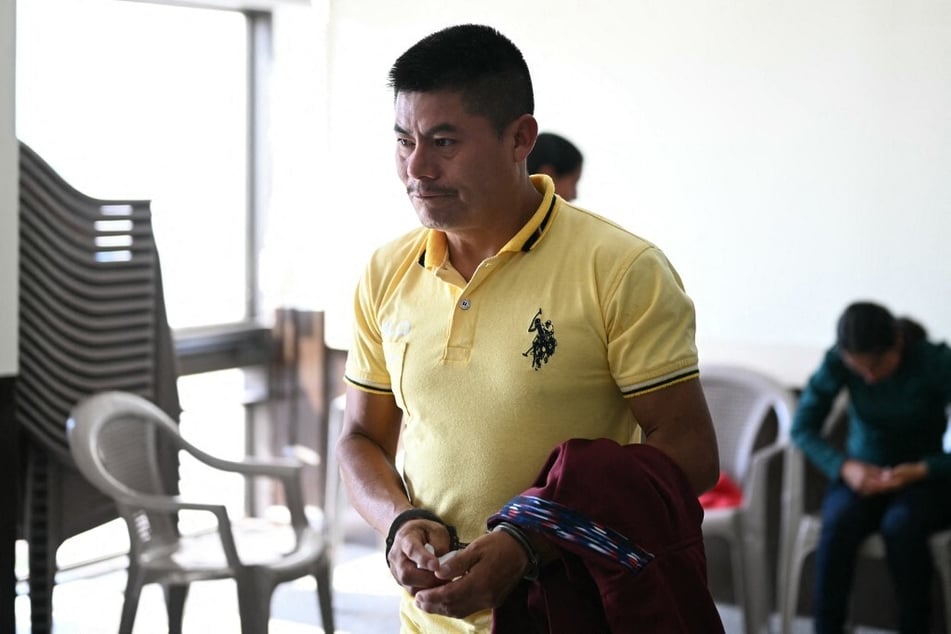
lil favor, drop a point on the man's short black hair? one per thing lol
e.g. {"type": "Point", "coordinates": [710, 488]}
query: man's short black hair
{"type": "Point", "coordinates": [478, 62]}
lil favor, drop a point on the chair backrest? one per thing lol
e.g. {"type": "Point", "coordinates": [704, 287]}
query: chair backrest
{"type": "Point", "coordinates": [117, 440]}
{"type": "Point", "coordinates": [750, 410]}
{"type": "Point", "coordinates": [92, 315]}
{"type": "Point", "coordinates": [805, 483]}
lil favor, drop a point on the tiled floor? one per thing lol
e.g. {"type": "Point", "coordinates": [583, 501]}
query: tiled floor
{"type": "Point", "coordinates": [87, 600]}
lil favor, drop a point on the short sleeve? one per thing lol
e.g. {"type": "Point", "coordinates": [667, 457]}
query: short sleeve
{"type": "Point", "coordinates": [651, 325]}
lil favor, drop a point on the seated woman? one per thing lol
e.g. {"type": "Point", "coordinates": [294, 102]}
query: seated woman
{"type": "Point", "coordinates": [893, 476]}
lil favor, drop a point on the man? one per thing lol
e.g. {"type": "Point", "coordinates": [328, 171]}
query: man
{"type": "Point", "coordinates": [508, 323]}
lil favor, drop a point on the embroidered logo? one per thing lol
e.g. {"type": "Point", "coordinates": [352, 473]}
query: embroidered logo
{"type": "Point", "coordinates": [393, 330]}
{"type": "Point", "coordinates": [543, 345]}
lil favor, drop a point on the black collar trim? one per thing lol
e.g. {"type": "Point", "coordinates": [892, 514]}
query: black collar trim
{"type": "Point", "coordinates": [532, 239]}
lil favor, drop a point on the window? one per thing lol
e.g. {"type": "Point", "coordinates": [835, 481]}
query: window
{"type": "Point", "coordinates": [149, 101]}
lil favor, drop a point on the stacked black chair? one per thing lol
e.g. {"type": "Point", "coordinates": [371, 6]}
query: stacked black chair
{"type": "Point", "coordinates": [92, 318]}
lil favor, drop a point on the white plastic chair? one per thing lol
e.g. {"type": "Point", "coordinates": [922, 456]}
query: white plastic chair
{"type": "Point", "coordinates": [113, 438]}
{"type": "Point", "coordinates": [743, 404]}
{"type": "Point", "coordinates": [803, 526]}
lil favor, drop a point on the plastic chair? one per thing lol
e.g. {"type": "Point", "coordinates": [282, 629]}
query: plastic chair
{"type": "Point", "coordinates": [803, 525]}
{"type": "Point", "coordinates": [114, 437]}
{"type": "Point", "coordinates": [752, 415]}
{"type": "Point", "coordinates": [91, 318]}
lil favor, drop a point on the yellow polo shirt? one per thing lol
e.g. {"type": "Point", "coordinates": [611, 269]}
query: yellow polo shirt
{"type": "Point", "coordinates": [544, 343]}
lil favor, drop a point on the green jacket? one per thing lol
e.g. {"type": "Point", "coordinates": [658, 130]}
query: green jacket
{"type": "Point", "coordinates": [901, 419]}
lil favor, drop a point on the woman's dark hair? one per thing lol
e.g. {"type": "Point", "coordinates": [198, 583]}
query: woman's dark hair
{"type": "Point", "coordinates": [478, 62]}
{"type": "Point", "coordinates": [869, 328]}
{"type": "Point", "coordinates": [556, 151]}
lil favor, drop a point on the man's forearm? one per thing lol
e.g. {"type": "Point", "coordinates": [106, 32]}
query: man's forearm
{"type": "Point", "coordinates": [374, 486]}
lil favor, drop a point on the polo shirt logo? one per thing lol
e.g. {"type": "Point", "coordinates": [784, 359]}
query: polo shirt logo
{"type": "Point", "coordinates": [543, 345]}
{"type": "Point", "coordinates": [394, 329]}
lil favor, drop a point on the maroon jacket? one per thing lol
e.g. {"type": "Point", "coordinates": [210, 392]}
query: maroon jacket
{"type": "Point", "coordinates": [628, 527]}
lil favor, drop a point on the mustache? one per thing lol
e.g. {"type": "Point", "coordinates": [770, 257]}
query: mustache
{"type": "Point", "coordinates": [419, 190]}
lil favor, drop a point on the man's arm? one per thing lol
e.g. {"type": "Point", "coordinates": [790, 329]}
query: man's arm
{"type": "Point", "coordinates": [677, 421]}
{"type": "Point", "coordinates": [366, 453]}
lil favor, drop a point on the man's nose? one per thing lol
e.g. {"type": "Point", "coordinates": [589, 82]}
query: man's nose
{"type": "Point", "coordinates": [420, 164]}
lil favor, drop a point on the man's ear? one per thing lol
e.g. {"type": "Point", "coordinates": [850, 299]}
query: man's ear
{"type": "Point", "coordinates": [525, 131]}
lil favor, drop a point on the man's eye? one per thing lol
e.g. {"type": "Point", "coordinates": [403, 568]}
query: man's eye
{"type": "Point", "coordinates": [443, 142]}
{"type": "Point", "coordinates": [403, 142]}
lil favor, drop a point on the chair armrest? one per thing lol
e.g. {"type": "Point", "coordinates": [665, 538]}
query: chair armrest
{"type": "Point", "coordinates": [273, 467]}
{"type": "Point", "coordinates": [174, 504]}
{"type": "Point", "coordinates": [289, 470]}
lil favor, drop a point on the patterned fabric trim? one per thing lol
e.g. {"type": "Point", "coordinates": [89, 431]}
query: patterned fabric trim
{"type": "Point", "coordinates": [548, 517]}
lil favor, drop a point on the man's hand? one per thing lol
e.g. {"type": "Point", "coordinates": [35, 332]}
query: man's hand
{"type": "Point", "coordinates": [478, 577]}
{"type": "Point", "coordinates": [412, 564]}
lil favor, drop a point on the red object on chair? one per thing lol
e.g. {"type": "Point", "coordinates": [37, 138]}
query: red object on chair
{"type": "Point", "coordinates": [725, 494]}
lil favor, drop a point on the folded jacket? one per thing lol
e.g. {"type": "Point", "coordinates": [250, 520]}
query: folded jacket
{"type": "Point", "coordinates": [628, 527]}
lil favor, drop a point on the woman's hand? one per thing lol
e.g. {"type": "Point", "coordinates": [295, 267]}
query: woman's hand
{"type": "Point", "coordinates": [864, 478]}
{"type": "Point", "coordinates": [902, 475]}
{"type": "Point", "coordinates": [869, 479]}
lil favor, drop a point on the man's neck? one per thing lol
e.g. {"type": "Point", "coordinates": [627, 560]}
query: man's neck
{"type": "Point", "coordinates": [469, 248]}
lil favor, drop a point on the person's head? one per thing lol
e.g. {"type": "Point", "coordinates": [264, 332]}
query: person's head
{"type": "Point", "coordinates": [477, 62]}
{"type": "Point", "coordinates": [464, 124]}
{"type": "Point", "coordinates": [869, 341]}
{"type": "Point", "coordinates": [559, 158]}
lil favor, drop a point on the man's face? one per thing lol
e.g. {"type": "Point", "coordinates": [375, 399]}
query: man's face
{"type": "Point", "coordinates": [456, 169]}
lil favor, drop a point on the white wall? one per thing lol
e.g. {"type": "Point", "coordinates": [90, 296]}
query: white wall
{"type": "Point", "coordinates": [8, 195]}
{"type": "Point", "coordinates": [789, 157]}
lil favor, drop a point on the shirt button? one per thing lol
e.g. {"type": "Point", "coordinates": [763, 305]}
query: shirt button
{"type": "Point", "coordinates": [465, 304]}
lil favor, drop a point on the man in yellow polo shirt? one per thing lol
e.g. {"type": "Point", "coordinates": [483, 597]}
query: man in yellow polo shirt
{"type": "Point", "coordinates": [509, 322]}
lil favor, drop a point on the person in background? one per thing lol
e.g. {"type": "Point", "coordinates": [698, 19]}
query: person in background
{"type": "Point", "coordinates": [893, 475]}
{"type": "Point", "coordinates": [508, 323]}
{"type": "Point", "coordinates": [560, 159]}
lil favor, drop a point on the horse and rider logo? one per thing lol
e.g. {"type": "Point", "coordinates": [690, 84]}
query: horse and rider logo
{"type": "Point", "coordinates": [543, 345]}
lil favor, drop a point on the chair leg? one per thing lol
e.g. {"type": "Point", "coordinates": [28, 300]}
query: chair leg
{"type": "Point", "coordinates": [792, 583]}
{"type": "Point", "coordinates": [130, 605]}
{"type": "Point", "coordinates": [942, 565]}
{"type": "Point", "coordinates": [254, 606]}
{"type": "Point", "coordinates": [175, 595]}
{"type": "Point", "coordinates": [757, 586]}
{"type": "Point", "coordinates": [324, 577]}
{"type": "Point", "coordinates": [741, 588]}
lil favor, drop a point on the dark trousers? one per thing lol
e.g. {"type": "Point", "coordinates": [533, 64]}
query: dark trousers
{"type": "Point", "coordinates": [905, 519]}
